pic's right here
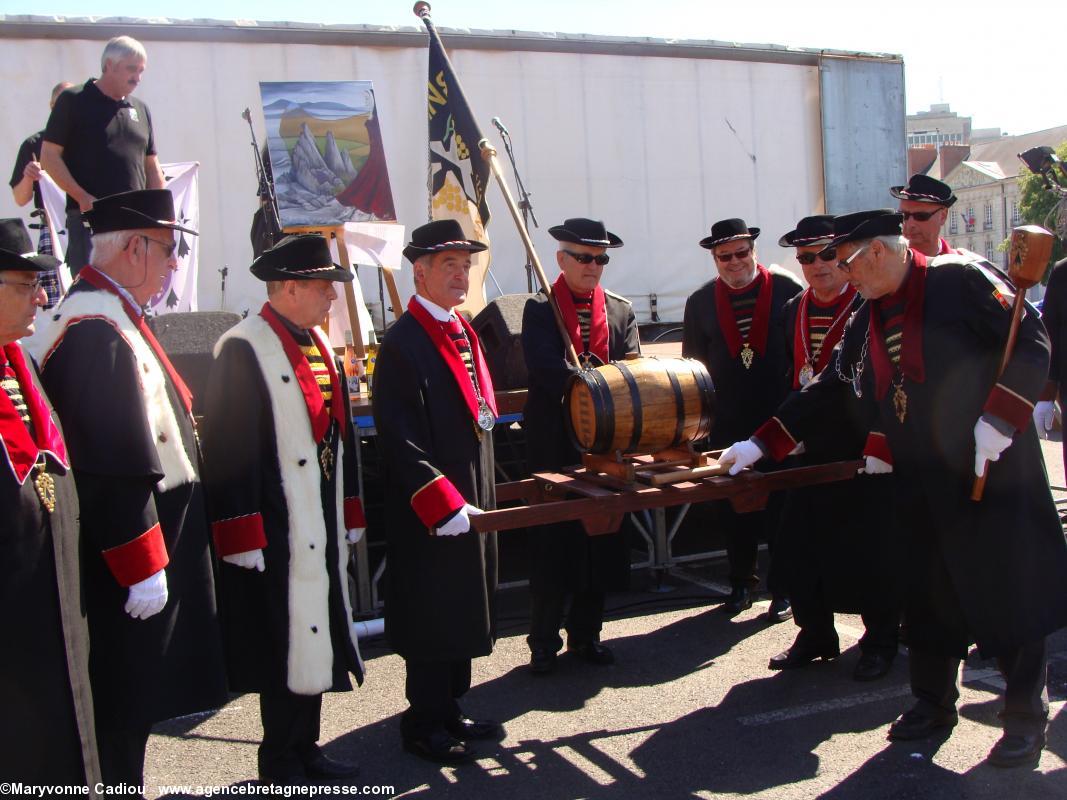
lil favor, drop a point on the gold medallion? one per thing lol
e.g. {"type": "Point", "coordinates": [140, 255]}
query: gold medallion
{"type": "Point", "coordinates": [747, 354]}
{"type": "Point", "coordinates": [807, 372]}
{"type": "Point", "coordinates": [45, 485]}
{"type": "Point", "coordinates": [900, 401]}
{"type": "Point", "coordinates": [326, 460]}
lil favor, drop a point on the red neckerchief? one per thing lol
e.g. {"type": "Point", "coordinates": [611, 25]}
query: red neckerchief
{"type": "Point", "coordinates": [309, 387]}
{"type": "Point", "coordinates": [911, 340]}
{"type": "Point", "coordinates": [23, 451]}
{"type": "Point", "coordinates": [761, 315]}
{"type": "Point", "coordinates": [944, 249]}
{"type": "Point", "coordinates": [598, 324]}
{"type": "Point", "coordinates": [450, 353]}
{"type": "Point", "coordinates": [833, 335]}
{"type": "Point", "coordinates": [94, 278]}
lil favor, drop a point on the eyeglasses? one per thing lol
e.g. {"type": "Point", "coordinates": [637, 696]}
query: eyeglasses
{"type": "Point", "coordinates": [846, 265]}
{"type": "Point", "coordinates": [168, 247]}
{"type": "Point", "coordinates": [585, 258]}
{"type": "Point", "coordinates": [34, 287]}
{"type": "Point", "coordinates": [726, 258]}
{"type": "Point", "coordinates": [919, 216]}
{"type": "Point", "coordinates": [829, 254]}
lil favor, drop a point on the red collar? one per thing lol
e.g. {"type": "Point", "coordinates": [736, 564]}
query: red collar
{"type": "Point", "coordinates": [801, 333]}
{"type": "Point", "coordinates": [448, 351]}
{"type": "Point", "coordinates": [309, 387]}
{"type": "Point", "coordinates": [21, 450]}
{"type": "Point", "coordinates": [943, 248]}
{"type": "Point", "coordinates": [598, 328]}
{"type": "Point", "coordinates": [94, 278]}
{"type": "Point", "coordinates": [761, 315]}
{"type": "Point", "coordinates": [911, 343]}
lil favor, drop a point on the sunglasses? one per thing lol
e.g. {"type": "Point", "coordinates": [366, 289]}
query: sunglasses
{"type": "Point", "coordinates": [919, 216]}
{"type": "Point", "coordinates": [585, 258]}
{"type": "Point", "coordinates": [34, 287]}
{"type": "Point", "coordinates": [829, 254]}
{"type": "Point", "coordinates": [726, 258]}
{"type": "Point", "coordinates": [846, 265]}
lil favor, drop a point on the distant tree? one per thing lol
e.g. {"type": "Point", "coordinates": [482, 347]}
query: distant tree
{"type": "Point", "coordinates": [1041, 206]}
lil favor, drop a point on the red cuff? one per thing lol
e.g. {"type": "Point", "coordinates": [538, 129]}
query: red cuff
{"type": "Point", "coordinates": [139, 558]}
{"type": "Point", "coordinates": [354, 517]}
{"type": "Point", "coordinates": [436, 500]}
{"type": "Point", "coordinates": [1009, 406]}
{"type": "Point", "coordinates": [239, 534]}
{"type": "Point", "coordinates": [778, 441]}
{"type": "Point", "coordinates": [1051, 391]}
{"type": "Point", "coordinates": [878, 447]}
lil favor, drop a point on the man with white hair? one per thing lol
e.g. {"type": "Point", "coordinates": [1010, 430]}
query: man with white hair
{"type": "Point", "coordinates": [99, 141]}
{"type": "Point", "coordinates": [155, 650]}
{"type": "Point", "coordinates": [920, 359]}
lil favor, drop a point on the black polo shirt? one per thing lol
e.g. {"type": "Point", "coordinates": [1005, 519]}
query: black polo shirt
{"type": "Point", "coordinates": [104, 141]}
{"type": "Point", "coordinates": [29, 151]}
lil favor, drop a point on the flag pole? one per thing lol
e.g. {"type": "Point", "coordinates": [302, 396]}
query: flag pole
{"type": "Point", "coordinates": [422, 11]}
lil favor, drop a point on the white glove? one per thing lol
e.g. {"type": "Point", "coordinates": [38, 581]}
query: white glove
{"type": "Point", "coordinates": [148, 597]}
{"type": "Point", "coordinates": [355, 534]}
{"type": "Point", "coordinates": [460, 523]}
{"type": "Point", "coordinates": [1044, 416]}
{"type": "Point", "coordinates": [250, 559]}
{"type": "Point", "coordinates": [741, 455]}
{"type": "Point", "coordinates": [875, 466]}
{"type": "Point", "coordinates": [989, 443]}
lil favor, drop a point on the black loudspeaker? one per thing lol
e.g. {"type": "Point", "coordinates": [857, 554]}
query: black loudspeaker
{"type": "Point", "coordinates": [499, 327]}
{"type": "Point", "coordinates": [188, 339]}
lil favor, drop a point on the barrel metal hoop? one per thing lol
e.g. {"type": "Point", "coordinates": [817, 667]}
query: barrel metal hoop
{"type": "Point", "coordinates": [707, 397]}
{"type": "Point", "coordinates": [603, 408]}
{"type": "Point", "coordinates": [635, 401]}
{"type": "Point", "coordinates": [679, 406]}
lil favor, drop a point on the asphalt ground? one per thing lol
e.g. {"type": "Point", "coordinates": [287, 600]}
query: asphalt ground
{"type": "Point", "coordinates": [689, 710]}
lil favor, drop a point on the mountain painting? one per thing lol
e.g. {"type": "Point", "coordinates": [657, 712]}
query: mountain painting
{"type": "Point", "coordinates": [326, 153]}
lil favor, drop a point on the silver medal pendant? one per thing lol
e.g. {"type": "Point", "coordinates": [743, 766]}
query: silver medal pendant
{"type": "Point", "coordinates": [807, 372]}
{"type": "Point", "coordinates": [486, 421]}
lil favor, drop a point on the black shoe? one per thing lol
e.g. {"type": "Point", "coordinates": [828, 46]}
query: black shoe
{"type": "Point", "coordinates": [593, 653]}
{"type": "Point", "coordinates": [804, 652]}
{"type": "Point", "coordinates": [1016, 750]}
{"type": "Point", "coordinates": [322, 766]}
{"type": "Point", "coordinates": [871, 667]}
{"type": "Point", "coordinates": [542, 661]}
{"type": "Point", "coordinates": [283, 779]}
{"type": "Point", "coordinates": [740, 600]}
{"type": "Point", "coordinates": [779, 610]}
{"type": "Point", "coordinates": [915, 724]}
{"type": "Point", "coordinates": [464, 728]}
{"type": "Point", "coordinates": [440, 747]}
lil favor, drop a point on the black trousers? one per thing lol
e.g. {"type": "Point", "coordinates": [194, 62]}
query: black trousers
{"type": "Point", "coordinates": [1025, 671]}
{"type": "Point", "coordinates": [815, 618]}
{"type": "Point", "coordinates": [583, 623]}
{"type": "Point", "coordinates": [79, 243]}
{"type": "Point", "coordinates": [432, 689]}
{"type": "Point", "coordinates": [290, 733]}
{"type": "Point", "coordinates": [743, 534]}
{"type": "Point", "coordinates": [121, 742]}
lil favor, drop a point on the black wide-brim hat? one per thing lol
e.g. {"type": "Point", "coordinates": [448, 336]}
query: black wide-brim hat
{"type": "Point", "coordinates": [581, 230]}
{"type": "Point", "coordinates": [136, 210]}
{"type": "Point", "coordinates": [809, 232]}
{"type": "Point", "coordinates": [924, 189]}
{"type": "Point", "coordinates": [438, 236]}
{"type": "Point", "coordinates": [300, 257]}
{"type": "Point", "coordinates": [727, 230]}
{"type": "Point", "coordinates": [16, 249]}
{"type": "Point", "coordinates": [863, 225]}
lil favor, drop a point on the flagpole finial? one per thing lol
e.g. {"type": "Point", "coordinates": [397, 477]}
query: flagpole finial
{"type": "Point", "coordinates": [422, 9]}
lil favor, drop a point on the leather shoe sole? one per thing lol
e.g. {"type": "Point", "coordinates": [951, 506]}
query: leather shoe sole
{"type": "Point", "coordinates": [464, 728]}
{"type": "Point", "coordinates": [871, 667]}
{"type": "Point", "coordinates": [440, 748]}
{"type": "Point", "coordinates": [1016, 750]}
{"type": "Point", "coordinates": [914, 725]}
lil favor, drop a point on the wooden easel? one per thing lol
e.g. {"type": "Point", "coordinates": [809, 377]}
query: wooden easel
{"type": "Point", "coordinates": [337, 233]}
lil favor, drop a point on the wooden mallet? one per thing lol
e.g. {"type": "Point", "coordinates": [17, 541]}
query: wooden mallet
{"type": "Point", "coordinates": [1031, 248]}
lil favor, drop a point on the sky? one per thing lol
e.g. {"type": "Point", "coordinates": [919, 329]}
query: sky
{"type": "Point", "coordinates": [1003, 69]}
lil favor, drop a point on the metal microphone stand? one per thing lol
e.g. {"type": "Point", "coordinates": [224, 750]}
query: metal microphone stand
{"type": "Point", "coordinates": [524, 203]}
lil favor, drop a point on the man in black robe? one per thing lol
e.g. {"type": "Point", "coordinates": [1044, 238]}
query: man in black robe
{"type": "Point", "coordinates": [734, 324]}
{"type": "Point", "coordinates": [46, 729]}
{"type": "Point", "coordinates": [280, 474]}
{"type": "Point", "coordinates": [155, 648]}
{"type": "Point", "coordinates": [1054, 315]}
{"type": "Point", "coordinates": [834, 551]}
{"type": "Point", "coordinates": [922, 356]}
{"type": "Point", "coordinates": [434, 408]}
{"type": "Point", "coordinates": [602, 328]}
{"type": "Point", "coordinates": [924, 205]}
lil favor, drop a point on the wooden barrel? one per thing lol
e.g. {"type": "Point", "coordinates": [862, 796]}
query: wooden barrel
{"type": "Point", "coordinates": [640, 405]}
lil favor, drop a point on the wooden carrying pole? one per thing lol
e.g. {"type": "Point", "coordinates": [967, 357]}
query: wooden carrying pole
{"type": "Point", "coordinates": [1031, 248]}
{"type": "Point", "coordinates": [422, 11]}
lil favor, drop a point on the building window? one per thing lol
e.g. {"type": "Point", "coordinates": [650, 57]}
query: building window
{"type": "Point", "coordinates": [1015, 218]}
{"type": "Point", "coordinates": [988, 217]}
{"type": "Point", "coordinates": [953, 225]}
{"type": "Point", "coordinates": [989, 250]}
{"type": "Point", "coordinates": [968, 219]}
